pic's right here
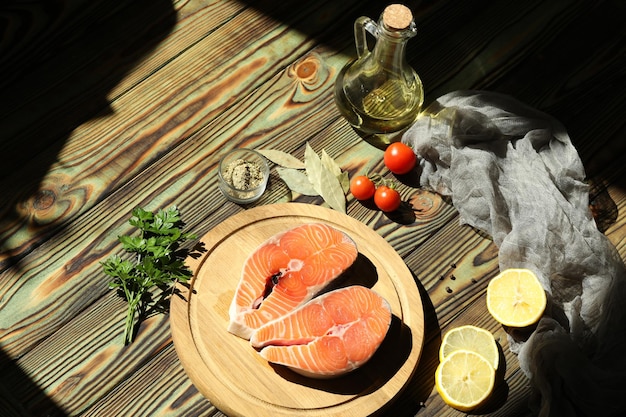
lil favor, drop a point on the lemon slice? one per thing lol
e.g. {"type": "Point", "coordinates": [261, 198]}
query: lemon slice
{"type": "Point", "coordinates": [465, 380]}
{"type": "Point", "coordinates": [472, 338]}
{"type": "Point", "coordinates": [516, 298]}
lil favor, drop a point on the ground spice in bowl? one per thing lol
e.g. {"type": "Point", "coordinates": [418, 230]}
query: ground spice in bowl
{"type": "Point", "coordinates": [243, 175]}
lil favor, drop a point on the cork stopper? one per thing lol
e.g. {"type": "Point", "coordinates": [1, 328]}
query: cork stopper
{"type": "Point", "coordinates": [397, 16]}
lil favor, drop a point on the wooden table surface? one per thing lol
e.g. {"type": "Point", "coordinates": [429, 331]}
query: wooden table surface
{"type": "Point", "coordinates": [108, 105]}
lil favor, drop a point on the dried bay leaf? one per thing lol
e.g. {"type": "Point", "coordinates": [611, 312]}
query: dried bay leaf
{"type": "Point", "coordinates": [331, 191]}
{"type": "Point", "coordinates": [324, 181]}
{"type": "Point", "coordinates": [316, 176]}
{"type": "Point", "coordinates": [344, 180]}
{"type": "Point", "coordinates": [313, 167]}
{"type": "Point", "coordinates": [282, 159]}
{"type": "Point", "coordinates": [297, 181]}
{"type": "Point", "coordinates": [330, 164]}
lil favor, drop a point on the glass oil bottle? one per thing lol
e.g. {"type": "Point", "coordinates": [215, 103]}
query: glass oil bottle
{"type": "Point", "coordinates": [379, 94]}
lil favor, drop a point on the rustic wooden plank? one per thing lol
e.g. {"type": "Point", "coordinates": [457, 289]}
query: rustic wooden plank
{"type": "Point", "coordinates": [465, 261]}
{"type": "Point", "coordinates": [617, 231]}
{"type": "Point", "coordinates": [475, 44]}
{"type": "Point", "coordinates": [60, 280]}
{"type": "Point", "coordinates": [24, 192]}
{"type": "Point", "coordinates": [154, 116]}
{"type": "Point", "coordinates": [38, 208]}
{"type": "Point", "coordinates": [162, 388]}
{"type": "Point", "coordinates": [55, 279]}
{"type": "Point", "coordinates": [36, 31]}
{"type": "Point", "coordinates": [9, 406]}
{"type": "Point", "coordinates": [448, 236]}
{"type": "Point", "coordinates": [504, 399]}
{"type": "Point", "coordinates": [47, 195]}
{"type": "Point", "coordinates": [70, 367]}
{"type": "Point", "coordinates": [53, 274]}
{"type": "Point", "coordinates": [51, 278]}
{"type": "Point", "coordinates": [570, 66]}
{"type": "Point", "coordinates": [107, 49]}
{"type": "Point", "coordinates": [38, 105]}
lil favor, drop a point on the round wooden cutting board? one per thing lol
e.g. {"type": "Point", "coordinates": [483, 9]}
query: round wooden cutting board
{"type": "Point", "coordinates": [234, 377]}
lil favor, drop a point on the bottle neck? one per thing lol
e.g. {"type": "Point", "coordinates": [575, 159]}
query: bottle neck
{"type": "Point", "coordinates": [390, 50]}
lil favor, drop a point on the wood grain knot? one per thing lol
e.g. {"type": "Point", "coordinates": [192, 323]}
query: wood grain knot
{"type": "Point", "coordinates": [44, 199]}
{"type": "Point", "coordinates": [309, 72]}
{"type": "Point", "coordinates": [52, 201]}
{"type": "Point", "coordinates": [306, 69]}
{"type": "Point", "coordinates": [425, 204]}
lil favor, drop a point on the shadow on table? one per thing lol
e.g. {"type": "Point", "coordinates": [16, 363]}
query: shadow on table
{"type": "Point", "coordinates": [421, 385]}
{"type": "Point", "coordinates": [20, 396]}
{"type": "Point", "coordinates": [59, 62]}
{"type": "Point", "coordinates": [572, 74]}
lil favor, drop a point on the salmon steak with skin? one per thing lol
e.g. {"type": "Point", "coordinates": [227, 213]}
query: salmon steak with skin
{"type": "Point", "coordinates": [286, 271]}
{"type": "Point", "coordinates": [330, 335]}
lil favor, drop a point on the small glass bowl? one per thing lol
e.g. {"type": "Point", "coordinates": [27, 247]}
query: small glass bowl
{"type": "Point", "coordinates": [231, 191]}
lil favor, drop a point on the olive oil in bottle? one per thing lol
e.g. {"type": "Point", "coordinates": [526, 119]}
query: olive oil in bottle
{"type": "Point", "coordinates": [379, 94]}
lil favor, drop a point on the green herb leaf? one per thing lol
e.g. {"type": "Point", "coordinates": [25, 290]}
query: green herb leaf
{"type": "Point", "coordinates": [157, 263]}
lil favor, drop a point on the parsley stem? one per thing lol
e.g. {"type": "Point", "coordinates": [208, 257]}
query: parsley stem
{"type": "Point", "coordinates": [129, 327]}
{"type": "Point", "coordinates": [131, 311]}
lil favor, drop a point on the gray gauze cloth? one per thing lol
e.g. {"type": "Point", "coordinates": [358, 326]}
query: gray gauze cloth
{"type": "Point", "coordinates": [512, 172]}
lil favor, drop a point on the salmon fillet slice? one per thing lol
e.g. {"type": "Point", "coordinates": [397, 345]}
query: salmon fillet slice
{"type": "Point", "coordinates": [330, 335]}
{"type": "Point", "coordinates": [286, 271]}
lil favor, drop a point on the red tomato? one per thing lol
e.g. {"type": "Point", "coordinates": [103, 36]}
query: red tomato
{"type": "Point", "coordinates": [387, 199]}
{"type": "Point", "coordinates": [362, 187]}
{"type": "Point", "coordinates": [399, 158]}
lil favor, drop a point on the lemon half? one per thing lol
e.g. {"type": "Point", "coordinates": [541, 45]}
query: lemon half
{"type": "Point", "coordinates": [516, 298]}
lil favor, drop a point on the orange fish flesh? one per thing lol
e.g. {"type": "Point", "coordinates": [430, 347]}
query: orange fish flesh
{"type": "Point", "coordinates": [286, 271]}
{"type": "Point", "coordinates": [330, 335]}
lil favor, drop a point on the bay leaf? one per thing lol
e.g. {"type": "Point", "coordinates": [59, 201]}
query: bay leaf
{"type": "Point", "coordinates": [313, 167]}
{"type": "Point", "coordinates": [330, 164]}
{"type": "Point", "coordinates": [324, 181]}
{"type": "Point", "coordinates": [297, 181]}
{"type": "Point", "coordinates": [344, 180]}
{"type": "Point", "coordinates": [331, 190]}
{"type": "Point", "coordinates": [333, 167]}
{"type": "Point", "coordinates": [282, 159]}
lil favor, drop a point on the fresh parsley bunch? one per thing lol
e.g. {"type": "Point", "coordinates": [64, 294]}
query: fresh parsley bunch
{"type": "Point", "coordinates": [157, 262]}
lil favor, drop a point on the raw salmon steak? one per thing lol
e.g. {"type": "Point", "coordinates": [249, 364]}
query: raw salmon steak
{"type": "Point", "coordinates": [286, 271]}
{"type": "Point", "coordinates": [330, 335]}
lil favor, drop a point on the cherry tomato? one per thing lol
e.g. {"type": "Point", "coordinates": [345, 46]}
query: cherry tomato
{"type": "Point", "coordinates": [362, 187]}
{"type": "Point", "coordinates": [387, 199]}
{"type": "Point", "coordinates": [399, 158]}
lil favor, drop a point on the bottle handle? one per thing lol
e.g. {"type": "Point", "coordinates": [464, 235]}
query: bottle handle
{"type": "Point", "coordinates": [361, 25]}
